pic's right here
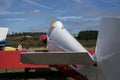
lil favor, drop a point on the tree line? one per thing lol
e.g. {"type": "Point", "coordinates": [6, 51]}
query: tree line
{"type": "Point", "coordinates": [88, 35]}
{"type": "Point", "coordinates": [15, 34]}
{"type": "Point", "coordinates": [30, 39]}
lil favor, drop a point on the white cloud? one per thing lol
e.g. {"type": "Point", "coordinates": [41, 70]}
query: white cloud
{"type": "Point", "coordinates": [69, 17]}
{"type": "Point", "coordinates": [77, 18]}
{"type": "Point", "coordinates": [37, 4]}
{"type": "Point", "coordinates": [91, 19]}
{"type": "Point", "coordinates": [10, 13]}
{"type": "Point", "coordinates": [38, 13]}
{"type": "Point", "coordinates": [16, 19]}
{"type": "Point", "coordinates": [78, 1]}
{"type": "Point", "coordinates": [36, 10]}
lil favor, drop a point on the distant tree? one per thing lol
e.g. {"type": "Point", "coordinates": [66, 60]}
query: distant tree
{"type": "Point", "coordinates": [88, 35]}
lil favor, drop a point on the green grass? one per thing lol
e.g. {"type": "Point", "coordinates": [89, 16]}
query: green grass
{"type": "Point", "coordinates": [89, 44]}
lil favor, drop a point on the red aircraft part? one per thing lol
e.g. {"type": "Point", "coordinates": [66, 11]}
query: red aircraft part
{"type": "Point", "coordinates": [11, 59]}
{"type": "Point", "coordinates": [43, 37]}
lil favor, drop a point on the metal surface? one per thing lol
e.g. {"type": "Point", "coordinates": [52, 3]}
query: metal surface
{"type": "Point", "coordinates": [56, 58]}
{"type": "Point", "coordinates": [108, 49]}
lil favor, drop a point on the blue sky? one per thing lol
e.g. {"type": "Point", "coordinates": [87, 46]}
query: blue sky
{"type": "Point", "coordinates": [35, 15]}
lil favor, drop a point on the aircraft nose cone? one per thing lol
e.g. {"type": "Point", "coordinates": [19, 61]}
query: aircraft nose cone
{"type": "Point", "coordinates": [58, 24]}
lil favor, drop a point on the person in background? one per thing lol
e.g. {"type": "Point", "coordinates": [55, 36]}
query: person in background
{"type": "Point", "coordinates": [19, 47]}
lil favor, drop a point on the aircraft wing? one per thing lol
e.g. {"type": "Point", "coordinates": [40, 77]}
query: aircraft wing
{"type": "Point", "coordinates": [53, 58]}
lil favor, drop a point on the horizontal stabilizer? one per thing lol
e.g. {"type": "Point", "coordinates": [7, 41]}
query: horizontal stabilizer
{"type": "Point", "coordinates": [56, 58]}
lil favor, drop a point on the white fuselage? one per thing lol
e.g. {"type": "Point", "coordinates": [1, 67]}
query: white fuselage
{"type": "Point", "coordinates": [59, 39]}
{"type": "Point", "coordinates": [3, 34]}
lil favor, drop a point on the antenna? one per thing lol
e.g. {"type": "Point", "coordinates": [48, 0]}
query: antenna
{"type": "Point", "coordinates": [63, 13]}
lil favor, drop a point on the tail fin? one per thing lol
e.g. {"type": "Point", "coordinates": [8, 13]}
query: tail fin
{"type": "Point", "coordinates": [3, 34]}
{"type": "Point", "coordinates": [51, 26]}
{"type": "Point", "coordinates": [52, 22]}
